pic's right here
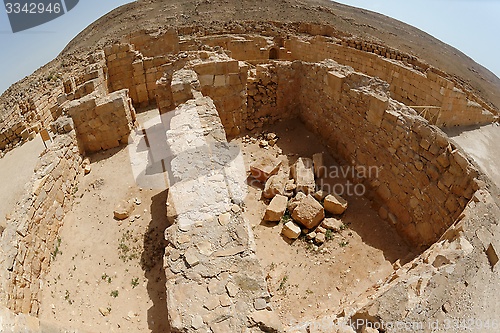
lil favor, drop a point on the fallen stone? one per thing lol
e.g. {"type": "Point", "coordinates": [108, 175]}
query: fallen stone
{"type": "Point", "coordinates": [268, 321]}
{"type": "Point", "coordinates": [264, 168]}
{"type": "Point", "coordinates": [290, 187]}
{"type": "Point", "coordinates": [320, 238]}
{"type": "Point", "coordinates": [332, 224]}
{"type": "Point", "coordinates": [335, 204]}
{"type": "Point", "coordinates": [303, 174]}
{"type": "Point", "coordinates": [311, 235]}
{"type": "Point", "coordinates": [309, 212]}
{"type": "Point", "coordinates": [319, 166]}
{"type": "Point", "coordinates": [276, 208]}
{"type": "Point", "coordinates": [320, 230]}
{"type": "Point", "coordinates": [320, 195]}
{"type": "Point", "coordinates": [87, 169]}
{"type": "Point", "coordinates": [123, 210]}
{"type": "Point", "coordinates": [292, 204]}
{"type": "Point", "coordinates": [104, 312]}
{"type": "Point", "coordinates": [291, 230]}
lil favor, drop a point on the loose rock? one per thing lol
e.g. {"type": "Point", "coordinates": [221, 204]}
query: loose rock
{"type": "Point", "coordinates": [276, 208]}
{"type": "Point", "coordinates": [291, 230]}
{"type": "Point", "coordinates": [335, 204]}
{"type": "Point", "coordinates": [309, 212]}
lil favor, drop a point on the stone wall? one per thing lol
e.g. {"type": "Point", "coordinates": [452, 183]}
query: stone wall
{"type": "Point", "coordinates": [214, 278]}
{"type": "Point", "coordinates": [225, 82]}
{"type": "Point", "coordinates": [242, 47]}
{"type": "Point", "coordinates": [129, 69]}
{"type": "Point", "coordinates": [407, 85]}
{"type": "Point", "coordinates": [423, 182]}
{"type": "Point", "coordinates": [272, 94]}
{"type": "Point", "coordinates": [102, 122]}
{"type": "Point", "coordinates": [29, 242]}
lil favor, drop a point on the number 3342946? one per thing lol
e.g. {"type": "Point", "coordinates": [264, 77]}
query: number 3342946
{"type": "Point", "coordinates": [32, 8]}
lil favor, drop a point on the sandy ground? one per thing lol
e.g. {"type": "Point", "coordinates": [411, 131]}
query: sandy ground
{"type": "Point", "coordinates": [108, 275]}
{"type": "Point", "coordinates": [482, 143]}
{"type": "Point", "coordinates": [16, 169]}
{"type": "Point", "coordinates": [307, 281]}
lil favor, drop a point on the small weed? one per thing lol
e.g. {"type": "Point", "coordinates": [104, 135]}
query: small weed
{"type": "Point", "coordinates": [66, 297]}
{"type": "Point", "coordinates": [343, 227]}
{"type": "Point", "coordinates": [329, 235]}
{"type": "Point", "coordinates": [128, 252]}
{"type": "Point", "coordinates": [135, 282]}
{"type": "Point", "coordinates": [283, 282]}
{"type": "Point", "coordinates": [343, 244]}
{"type": "Point", "coordinates": [56, 250]}
{"type": "Point", "coordinates": [114, 293]}
{"type": "Point", "coordinates": [106, 277]}
{"type": "Point", "coordinates": [286, 217]}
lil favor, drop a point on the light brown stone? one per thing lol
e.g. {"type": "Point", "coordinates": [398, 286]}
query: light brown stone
{"type": "Point", "coordinates": [123, 210]}
{"type": "Point", "coordinates": [303, 174]}
{"type": "Point", "coordinates": [309, 212]}
{"type": "Point", "coordinates": [291, 230]}
{"type": "Point", "coordinates": [276, 208]}
{"type": "Point", "coordinates": [265, 168]}
{"type": "Point", "coordinates": [335, 204]}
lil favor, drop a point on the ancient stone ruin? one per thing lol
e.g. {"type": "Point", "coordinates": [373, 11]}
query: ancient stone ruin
{"type": "Point", "coordinates": [223, 111]}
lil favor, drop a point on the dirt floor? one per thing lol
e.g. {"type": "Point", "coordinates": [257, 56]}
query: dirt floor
{"type": "Point", "coordinates": [108, 275]}
{"type": "Point", "coordinates": [307, 281]}
{"type": "Point", "coordinates": [16, 169]}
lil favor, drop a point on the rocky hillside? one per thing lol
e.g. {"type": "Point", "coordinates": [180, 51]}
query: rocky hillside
{"type": "Point", "coordinates": [154, 14]}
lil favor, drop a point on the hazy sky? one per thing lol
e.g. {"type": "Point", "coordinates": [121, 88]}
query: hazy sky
{"type": "Point", "coordinates": [469, 25]}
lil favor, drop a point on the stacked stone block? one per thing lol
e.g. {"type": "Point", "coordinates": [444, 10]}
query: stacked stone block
{"type": "Point", "coordinates": [128, 69]}
{"type": "Point", "coordinates": [102, 122]}
{"type": "Point", "coordinates": [225, 83]}
{"type": "Point", "coordinates": [407, 85]}
{"type": "Point", "coordinates": [29, 241]}
{"type": "Point", "coordinates": [423, 182]}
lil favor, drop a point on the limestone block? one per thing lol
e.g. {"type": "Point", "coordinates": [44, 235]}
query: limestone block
{"type": "Point", "coordinates": [276, 208]}
{"type": "Point", "coordinates": [303, 174]}
{"type": "Point", "coordinates": [123, 210]}
{"type": "Point", "coordinates": [309, 212]}
{"type": "Point", "coordinates": [264, 168]}
{"type": "Point", "coordinates": [291, 230]}
{"type": "Point", "coordinates": [332, 224]}
{"type": "Point", "coordinates": [335, 82]}
{"type": "Point", "coordinates": [335, 204]}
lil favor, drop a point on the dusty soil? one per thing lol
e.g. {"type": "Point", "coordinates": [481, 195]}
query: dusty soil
{"type": "Point", "coordinates": [307, 281]}
{"type": "Point", "coordinates": [104, 265]}
{"type": "Point", "coordinates": [16, 169]}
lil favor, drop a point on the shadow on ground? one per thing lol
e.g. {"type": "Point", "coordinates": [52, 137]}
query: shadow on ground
{"type": "Point", "coordinates": [152, 264]}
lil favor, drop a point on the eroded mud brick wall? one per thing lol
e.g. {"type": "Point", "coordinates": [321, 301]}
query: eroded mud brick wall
{"type": "Point", "coordinates": [407, 85]}
{"type": "Point", "coordinates": [102, 122]}
{"type": "Point", "coordinates": [30, 240]}
{"type": "Point", "coordinates": [423, 183]}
